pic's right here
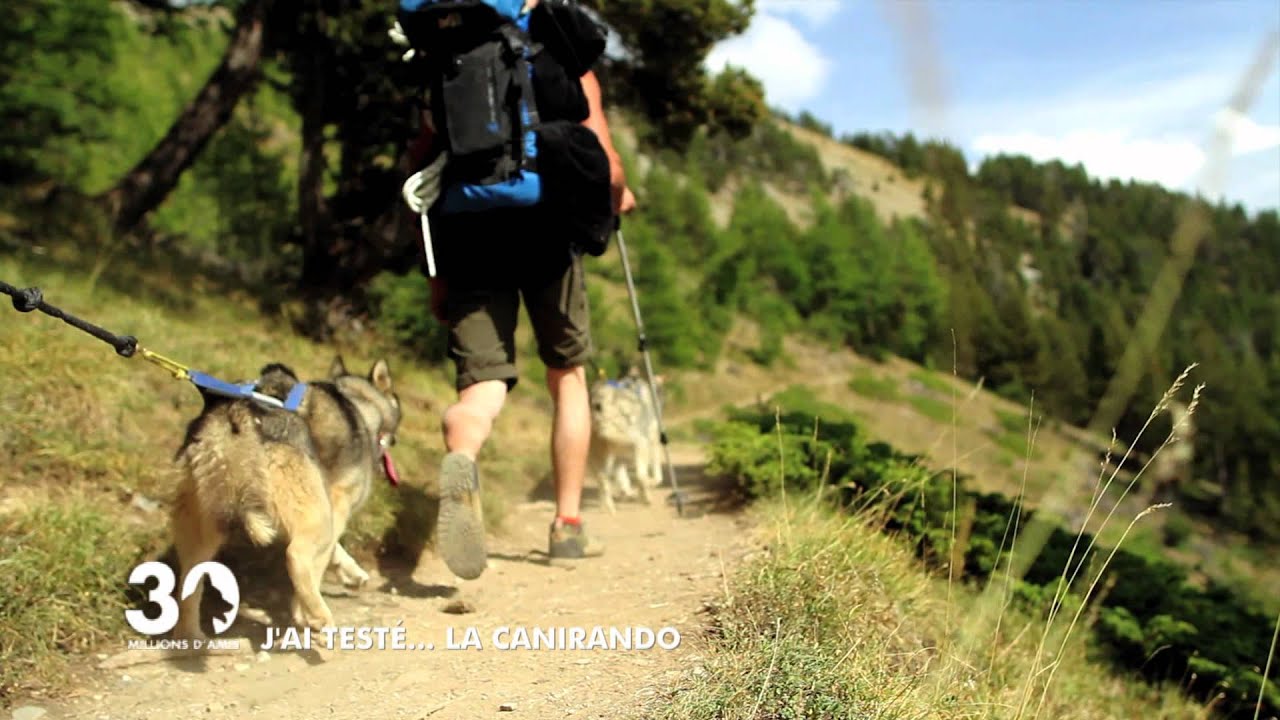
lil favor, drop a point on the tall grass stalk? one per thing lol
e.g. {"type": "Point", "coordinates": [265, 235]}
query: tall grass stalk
{"type": "Point", "coordinates": [782, 466]}
{"type": "Point", "coordinates": [1195, 400]}
{"type": "Point", "coordinates": [1011, 531]}
{"type": "Point", "coordinates": [1156, 310]}
{"type": "Point", "coordinates": [1069, 574]}
{"type": "Point", "coordinates": [955, 470]}
{"type": "Point", "coordinates": [1101, 492]}
{"type": "Point", "coordinates": [1262, 689]}
{"type": "Point", "coordinates": [1084, 603]}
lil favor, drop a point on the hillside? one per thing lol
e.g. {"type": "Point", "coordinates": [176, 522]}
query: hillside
{"type": "Point", "coordinates": [910, 404]}
{"type": "Point", "coordinates": [998, 276]}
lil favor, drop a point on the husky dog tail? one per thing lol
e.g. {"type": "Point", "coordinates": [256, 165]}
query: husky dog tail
{"type": "Point", "coordinates": [259, 526]}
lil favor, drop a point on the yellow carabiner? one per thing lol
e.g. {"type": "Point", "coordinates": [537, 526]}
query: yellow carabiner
{"type": "Point", "coordinates": [179, 370]}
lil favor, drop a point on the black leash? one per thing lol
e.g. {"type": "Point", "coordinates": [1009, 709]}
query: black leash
{"type": "Point", "coordinates": [26, 300]}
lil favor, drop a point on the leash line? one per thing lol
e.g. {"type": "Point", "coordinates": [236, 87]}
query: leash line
{"type": "Point", "coordinates": [26, 300]}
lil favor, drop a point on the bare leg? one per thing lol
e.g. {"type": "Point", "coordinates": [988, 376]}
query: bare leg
{"type": "Point", "coordinates": [570, 437]}
{"type": "Point", "coordinates": [570, 447]}
{"type": "Point", "coordinates": [468, 422]}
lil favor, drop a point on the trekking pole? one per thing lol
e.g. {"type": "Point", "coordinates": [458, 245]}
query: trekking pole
{"type": "Point", "coordinates": [648, 369]}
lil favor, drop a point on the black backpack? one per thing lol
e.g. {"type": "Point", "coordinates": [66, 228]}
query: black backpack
{"type": "Point", "coordinates": [508, 109]}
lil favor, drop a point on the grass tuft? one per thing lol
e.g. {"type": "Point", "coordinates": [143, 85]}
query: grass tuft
{"type": "Point", "coordinates": [875, 387]}
{"type": "Point", "coordinates": [932, 408]}
{"type": "Point", "coordinates": [64, 567]}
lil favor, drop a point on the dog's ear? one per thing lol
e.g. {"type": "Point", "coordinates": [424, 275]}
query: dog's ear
{"type": "Point", "coordinates": [380, 376]}
{"type": "Point", "coordinates": [338, 368]}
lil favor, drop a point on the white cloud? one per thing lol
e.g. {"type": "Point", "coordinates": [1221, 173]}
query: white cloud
{"type": "Point", "coordinates": [1247, 136]}
{"type": "Point", "coordinates": [792, 69]}
{"type": "Point", "coordinates": [1256, 183]}
{"type": "Point", "coordinates": [1150, 122]}
{"type": "Point", "coordinates": [1128, 100]}
{"type": "Point", "coordinates": [814, 12]}
{"type": "Point", "coordinates": [1106, 153]}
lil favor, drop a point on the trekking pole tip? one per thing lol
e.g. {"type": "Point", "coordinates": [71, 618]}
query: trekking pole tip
{"type": "Point", "coordinates": [678, 498]}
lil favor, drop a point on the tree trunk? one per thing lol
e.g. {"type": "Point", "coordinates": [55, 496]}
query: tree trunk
{"type": "Point", "coordinates": [151, 180]}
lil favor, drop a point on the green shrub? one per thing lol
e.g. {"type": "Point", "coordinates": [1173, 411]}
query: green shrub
{"type": "Point", "coordinates": [1152, 620]}
{"type": "Point", "coordinates": [1015, 443]}
{"type": "Point", "coordinates": [1012, 422]}
{"type": "Point", "coordinates": [402, 308]}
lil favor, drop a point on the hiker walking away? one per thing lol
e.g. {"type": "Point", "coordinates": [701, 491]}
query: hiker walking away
{"type": "Point", "coordinates": [511, 197]}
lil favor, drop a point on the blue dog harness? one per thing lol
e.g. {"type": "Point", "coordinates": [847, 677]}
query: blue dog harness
{"type": "Point", "coordinates": [247, 391]}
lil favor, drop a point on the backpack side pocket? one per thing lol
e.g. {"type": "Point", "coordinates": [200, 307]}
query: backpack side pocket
{"type": "Point", "coordinates": [474, 98]}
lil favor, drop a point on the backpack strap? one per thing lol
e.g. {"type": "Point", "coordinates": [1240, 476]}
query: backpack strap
{"type": "Point", "coordinates": [522, 46]}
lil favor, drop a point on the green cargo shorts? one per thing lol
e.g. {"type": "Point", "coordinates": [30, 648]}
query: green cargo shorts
{"type": "Point", "coordinates": [482, 322]}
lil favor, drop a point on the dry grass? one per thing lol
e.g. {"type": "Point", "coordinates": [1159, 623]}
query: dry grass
{"type": "Point", "coordinates": [834, 619]}
{"type": "Point", "coordinates": [869, 176]}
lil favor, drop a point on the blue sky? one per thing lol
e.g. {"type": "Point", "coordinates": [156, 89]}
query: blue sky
{"type": "Point", "coordinates": [1129, 88]}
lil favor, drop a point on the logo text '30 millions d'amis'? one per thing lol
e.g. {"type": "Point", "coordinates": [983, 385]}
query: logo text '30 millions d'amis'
{"type": "Point", "coordinates": [218, 575]}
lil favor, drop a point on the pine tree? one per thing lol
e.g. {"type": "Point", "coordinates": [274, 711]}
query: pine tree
{"type": "Point", "coordinates": [52, 59]}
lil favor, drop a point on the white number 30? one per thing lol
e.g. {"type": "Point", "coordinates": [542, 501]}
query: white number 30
{"type": "Point", "coordinates": [220, 577]}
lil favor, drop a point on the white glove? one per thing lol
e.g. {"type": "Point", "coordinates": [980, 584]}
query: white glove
{"type": "Point", "coordinates": [399, 37]}
{"type": "Point", "coordinates": [423, 187]}
{"type": "Point", "coordinates": [420, 192]}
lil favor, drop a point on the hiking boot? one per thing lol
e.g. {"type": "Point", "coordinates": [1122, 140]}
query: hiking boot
{"type": "Point", "coordinates": [459, 525]}
{"type": "Point", "coordinates": [571, 541]}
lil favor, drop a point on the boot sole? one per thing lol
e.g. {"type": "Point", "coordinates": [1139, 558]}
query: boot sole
{"type": "Point", "coordinates": [461, 530]}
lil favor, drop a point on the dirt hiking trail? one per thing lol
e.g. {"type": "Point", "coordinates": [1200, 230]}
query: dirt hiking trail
{"type": "Point", "coordinates": [657, 571]}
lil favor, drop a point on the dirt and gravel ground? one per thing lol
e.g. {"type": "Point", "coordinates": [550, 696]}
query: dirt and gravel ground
{"type": "Point", "coordinates": [658, 571]}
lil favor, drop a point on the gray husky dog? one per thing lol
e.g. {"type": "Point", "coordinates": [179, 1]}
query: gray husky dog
{"type": "Point", "coordinates": [624, 431]}
{"type": "Point", "coordinates": [280, 475]}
